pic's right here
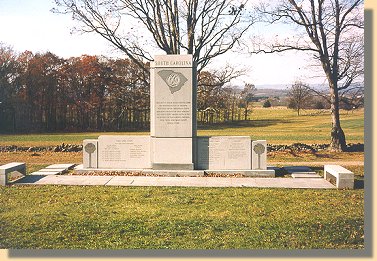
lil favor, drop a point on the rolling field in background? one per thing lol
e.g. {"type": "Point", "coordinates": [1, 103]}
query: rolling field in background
{"type": "Point", "coordinates": [277, 125]}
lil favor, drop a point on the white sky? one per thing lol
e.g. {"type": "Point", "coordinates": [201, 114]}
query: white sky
{"type": "Point", "coordinates": [30, 25]}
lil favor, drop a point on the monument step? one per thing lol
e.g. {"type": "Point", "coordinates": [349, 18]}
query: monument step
{"type": "Point", "coordinates": [45, 173]}
{"type": "Point", "coordinates": [61, 166]}
{"type": "Point", "coordinates": [305, 175]}
{"type": "Point", "coordinates": [61, 170]}
{"type": "Point", "coordinates": [54, 169]}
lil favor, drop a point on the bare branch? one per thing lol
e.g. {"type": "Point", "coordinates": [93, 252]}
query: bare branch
{"type": "Point", "coordinates": [205, 29]}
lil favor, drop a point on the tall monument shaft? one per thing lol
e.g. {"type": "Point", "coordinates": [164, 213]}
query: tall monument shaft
{"type": "Point", "coordinates": [173, 112]}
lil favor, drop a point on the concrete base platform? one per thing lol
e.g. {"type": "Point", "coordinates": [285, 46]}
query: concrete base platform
{"type": "Point", "coordinates": [308, 183]}
{"type": "Point", "coordinates": [63, 180]}
{"type": "Point", "coordinates": [185, 173]}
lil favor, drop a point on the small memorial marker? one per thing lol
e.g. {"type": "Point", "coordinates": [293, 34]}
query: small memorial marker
{"type": "Point", "coordinates": [90, 148]}
{"type": "Point", "coordinates": [259, 155]}
{"type": "Point", "coordinates": [259, 149]}
{"type": "Point", "coordinates": [90, 152]}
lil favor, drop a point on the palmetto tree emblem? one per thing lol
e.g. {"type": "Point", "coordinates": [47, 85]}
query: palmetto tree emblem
{"type": "Point", "coordinates": [259, 149]}
{"type": "Point", "coordinates": [90, 148]}
{"type": "Point", "coordinates": [174, 80]}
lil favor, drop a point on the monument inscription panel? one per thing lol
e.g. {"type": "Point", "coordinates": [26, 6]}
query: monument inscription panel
{"type": "Point", "coordinates": [123, 152]}
{"type": "Point", "coordinates": [173, 113]}
{"type": "Point", "coordinates": [224, 152]}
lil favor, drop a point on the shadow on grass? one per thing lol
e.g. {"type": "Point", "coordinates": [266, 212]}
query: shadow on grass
{"type": "Point", "coordinates": [240, 124]}
{"type": "Point", "coordinates": [324, 155]}
{"type": "Point", "coordinates": [319, 170]}
{"type": "Point", "coordinates": [29, 179]}
{"type": "Point", "coordinates": [280, 172]}
{"type": "Point", "coordinates": [359, 182]}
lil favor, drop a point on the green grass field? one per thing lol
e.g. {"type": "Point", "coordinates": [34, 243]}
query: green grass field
{"type": "Point", "coordinates": [276, 125]}
{"type": "Point", "coordinates": [279, 125]}
{"type": "Point", "coordinates": [97, 217]}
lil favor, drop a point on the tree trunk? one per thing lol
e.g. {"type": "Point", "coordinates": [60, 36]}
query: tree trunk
{"type": "Point", "coordinates": [247, 105]}
{"type": "Point", "coordinates": [233, 111]}
{"type": "Point", "coordinates": [99, 120]}
{"type": "Point", "coordinates": [338, 139]}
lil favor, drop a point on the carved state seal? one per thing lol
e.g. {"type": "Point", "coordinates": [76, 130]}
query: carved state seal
{"type": "Point", "coordinates": [174, 80]}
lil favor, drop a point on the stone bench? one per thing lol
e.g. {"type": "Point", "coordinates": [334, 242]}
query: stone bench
{"type": "Point", "coordinates": [8, 168]}
{"type": "Point", "coordinates": [344, 177]}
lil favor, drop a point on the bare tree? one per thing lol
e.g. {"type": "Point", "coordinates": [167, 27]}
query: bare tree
{"type": "Point", "coordinates": [333, 31]}
{"type": "Point", "coordinates": [352, 98]}
{"type": "Point", "coordinates": [8, 75]}
{"type": "Point", "coordinates": [247, 95]}
{"type": "Point", "coordinates": [205, 29]}
{"type": "Point", "coordinates": [7, 71]}
{"type": "Point", "coordinates": [212, 90]}
{"type": "Point", "coordinates": [299, 95]}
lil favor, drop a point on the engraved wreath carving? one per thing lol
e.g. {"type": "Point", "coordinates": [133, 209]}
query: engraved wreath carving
{"type": "Point", "coordinates": [174, 80]}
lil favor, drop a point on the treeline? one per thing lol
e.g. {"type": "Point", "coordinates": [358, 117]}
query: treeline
{"type": "Point", "coordinates": [44, 93]}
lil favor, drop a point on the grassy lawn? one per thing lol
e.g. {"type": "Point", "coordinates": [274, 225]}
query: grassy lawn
{"type": "Point", "coordinates": [276, 125]}
{"type": "Point", "coordinates": [180, 218]}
